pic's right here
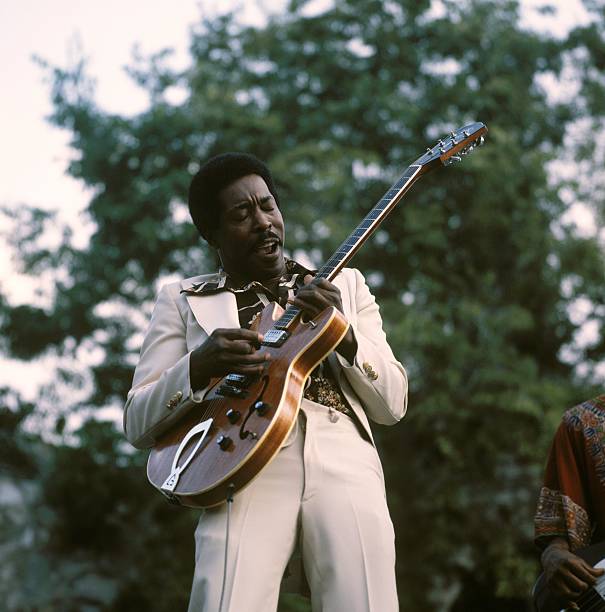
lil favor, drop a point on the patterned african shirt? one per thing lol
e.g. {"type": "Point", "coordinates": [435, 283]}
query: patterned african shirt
{"type": "Point", "coordinates": [572, 501]}
{"type": "Point", "coordinates": [252, 297]}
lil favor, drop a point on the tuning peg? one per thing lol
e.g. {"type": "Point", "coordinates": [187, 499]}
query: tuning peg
{"type": "Point", "coordinates": [429, 150]}
{"type": "Point", "coordinates": [481, 141]}
{"type": "Point", "coordinates": [466, 133]}
{"type": "Point", "coordinates": [452, 159]}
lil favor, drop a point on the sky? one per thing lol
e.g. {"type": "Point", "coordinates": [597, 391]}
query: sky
{"type": "Point", "coordinates": [34, 155]}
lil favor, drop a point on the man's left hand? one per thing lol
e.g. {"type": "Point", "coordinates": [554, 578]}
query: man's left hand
{"type": "Point", "coordinates": [317, 295]}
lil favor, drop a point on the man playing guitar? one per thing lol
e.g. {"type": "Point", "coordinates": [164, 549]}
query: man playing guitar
{"type": "Point", "coordinates": [571, 508]}
{"type": "Point", "coordinates": [324, 490]}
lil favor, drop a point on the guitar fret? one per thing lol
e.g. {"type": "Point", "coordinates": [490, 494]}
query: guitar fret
{"type": "Point", "coordinates": [367, 224]}
{"type": "Point", "coordinates": [286, 318]}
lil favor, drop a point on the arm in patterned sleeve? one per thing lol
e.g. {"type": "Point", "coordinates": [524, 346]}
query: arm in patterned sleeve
{"type": "Point", "coordinates": [570, 506]}
{"type": "Point", "coordinates": [563, 504]}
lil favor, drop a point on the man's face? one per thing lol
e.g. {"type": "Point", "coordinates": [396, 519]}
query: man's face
{"type": "Point", "coordinates": [250, 235]}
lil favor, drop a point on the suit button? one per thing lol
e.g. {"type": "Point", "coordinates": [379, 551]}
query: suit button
{"type": "Point", "coordinates": [367, 368]}
{"type": "Point", "coordinates": [178, 395]}
{"type": "Point", "coordinates": [172, 403]}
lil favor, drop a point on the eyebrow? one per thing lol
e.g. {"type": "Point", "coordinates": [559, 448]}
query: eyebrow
{"type": "Point", "coordinates": [245, 203]}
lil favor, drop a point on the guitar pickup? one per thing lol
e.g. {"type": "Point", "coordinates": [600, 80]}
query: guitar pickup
{"type": "Point", "coordinates": [231, 391]}
{"type": "Point", "coordinates": [275, 337]}
{"type": "Point", "coordinates": [237, 380]}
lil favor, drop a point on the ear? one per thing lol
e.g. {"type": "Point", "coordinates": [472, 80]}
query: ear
{"type": "Point", "coordinates": [211, 238]}
{"type": "Point", "coordinates": [212, 242]}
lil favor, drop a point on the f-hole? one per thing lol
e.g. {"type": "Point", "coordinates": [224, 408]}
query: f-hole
{"type": "Point", "coordinates": [244, 433]}
{"type": "Point", "coordinates": [305, 321]}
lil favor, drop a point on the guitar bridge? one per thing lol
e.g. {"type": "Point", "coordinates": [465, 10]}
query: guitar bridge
{"type": "Point", "coordinates": [231, 391]}
{"type": "Point", "coordinates": [234, 386]}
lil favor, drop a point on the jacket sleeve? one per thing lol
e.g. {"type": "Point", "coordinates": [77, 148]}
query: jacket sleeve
{"type": "Point", "coordinates": [564, 500]}
{"type": "Point", "coordinates": [161, 390]}
{"type": "Point", "coordinates": [377, 378]}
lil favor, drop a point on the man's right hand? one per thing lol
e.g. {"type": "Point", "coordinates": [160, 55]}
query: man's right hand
{"type": "Point", "coordinates": [567, 575]}
{"type": "Point", "coordinates": [226, 351]}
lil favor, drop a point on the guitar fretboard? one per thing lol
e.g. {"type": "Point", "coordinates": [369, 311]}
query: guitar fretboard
{"type": "Point", "coordinates": [359, 235]}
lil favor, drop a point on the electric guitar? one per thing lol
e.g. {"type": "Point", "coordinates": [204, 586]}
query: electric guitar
{"type": "Point", "coordinates": [592, 600]}
{"type": "Point", "coordinates": [222, 443]}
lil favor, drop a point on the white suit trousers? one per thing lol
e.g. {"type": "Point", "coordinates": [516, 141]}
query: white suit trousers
{"type": "Point", "coordinates": [324, 489]}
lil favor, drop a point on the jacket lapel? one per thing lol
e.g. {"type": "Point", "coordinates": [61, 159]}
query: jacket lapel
{"type": "Point", "coordinates": [219, 310]}
{"type": "Point", "coordinates": [214, 310]}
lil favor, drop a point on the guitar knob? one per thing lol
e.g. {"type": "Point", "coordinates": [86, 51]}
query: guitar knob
{"type": "Point", "coordinates": [261, 407]}
{"type": "Point", "coordinates": [224, 442]}
{"type": "Point", "coordinates": [233, 415]}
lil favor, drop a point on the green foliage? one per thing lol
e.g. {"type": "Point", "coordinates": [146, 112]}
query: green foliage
{"type": "Point", "coordinates": [476, 273]}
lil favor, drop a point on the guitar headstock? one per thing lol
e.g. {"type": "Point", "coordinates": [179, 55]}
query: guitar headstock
{"type": "Point", "coordinates": [453, 147]}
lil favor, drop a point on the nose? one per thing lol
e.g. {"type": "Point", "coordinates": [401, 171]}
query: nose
{"type": "Point", "coordinates": [262, 220]}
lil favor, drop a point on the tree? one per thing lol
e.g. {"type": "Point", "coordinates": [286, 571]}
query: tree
{"type": "Point", "coordinates": [476, 273]}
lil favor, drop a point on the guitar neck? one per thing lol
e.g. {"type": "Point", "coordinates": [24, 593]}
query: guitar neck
{"type": "Point", "coordinates": [360, 234]}
{"type": "Point", "coordinates": [370, 223]}
{"type": "Point", "coordinates": [456, 145]}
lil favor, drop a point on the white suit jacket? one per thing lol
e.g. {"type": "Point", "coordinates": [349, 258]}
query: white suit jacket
{"type": "Point", "coordinates": [375, 384]}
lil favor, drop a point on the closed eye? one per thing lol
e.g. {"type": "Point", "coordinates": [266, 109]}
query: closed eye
{"type": "Point", "coordinates": [267, 203]}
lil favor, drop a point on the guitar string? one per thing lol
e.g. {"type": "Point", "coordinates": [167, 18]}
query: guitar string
{"type": "Point", "coordinates": [592, 601]}
{"type": "Point", "coordinates": [376, 212]}
{"type": "Point", "coordinates": [596, 606]}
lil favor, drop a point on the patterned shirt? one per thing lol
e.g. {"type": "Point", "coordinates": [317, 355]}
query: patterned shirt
{"type": "Point", "coordinates": [572, 501]}
{"type": "Point", "coordinates": [252, 297]}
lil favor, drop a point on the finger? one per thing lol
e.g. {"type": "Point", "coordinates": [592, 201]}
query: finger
{"type": "Point", "coordinates": [248, 370]}
{"type": "Point", "coordinates": [309, 307]}
{"type": "Point", "coordinates": [578, 567]}
{"type": "Point", "coordinates": [588, 573]}
{"type": "Point", "coordinates": [256, 358]}
{"type": "Point", "coordinates": [320, 284]}
{"type": "Point", "coordinates": [565, 592]}
{"type": "Point", "coordinates": [321, 289]}
{"type": "Point", "coordinates": [575, 584]}
{"type": "Point", "coordinates": [316, 295]}
{"type": "Point", "coordinates": [325, 284]}
{"type": "Point", "coordinates": [593, 571]}
{"type": "Point", "coordinates": [241, 347]}
{"type": "Point", "coordinates": [240, 334]}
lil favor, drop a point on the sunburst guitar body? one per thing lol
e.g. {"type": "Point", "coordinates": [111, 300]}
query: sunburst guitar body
{"type": "Point", "coordinates": [227, 439]}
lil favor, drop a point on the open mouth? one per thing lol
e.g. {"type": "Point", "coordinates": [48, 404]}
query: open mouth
{"type": "Point", "coordinates": [267, 247]}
